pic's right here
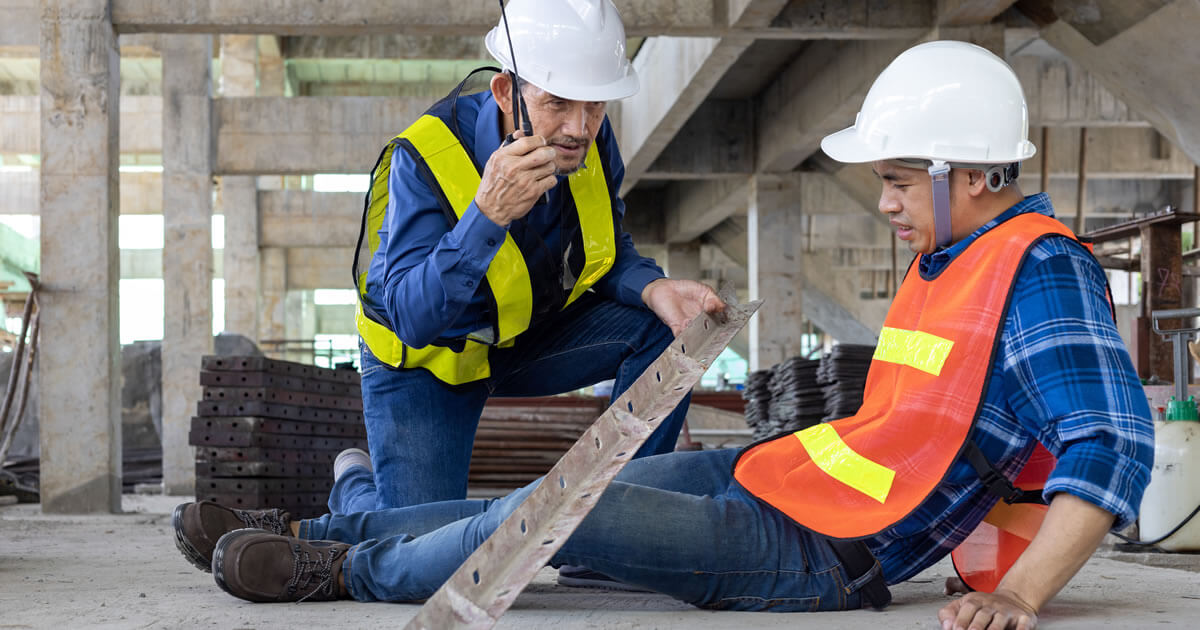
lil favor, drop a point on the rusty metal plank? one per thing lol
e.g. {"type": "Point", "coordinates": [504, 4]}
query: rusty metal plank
{"type": "Point", "coordinates": [261, 469]}
{"type": "Point", "coordinates": [284, 397]}
{"type": "Point", "coordinates": [208, 408]}
{"type": "Point", "coordinates": [276, 366]}
{"type": "Point", "coordinates": [491, 578]}
{"type": "Point", "coordinates": [281, 455]}
{"type": "Point", "coordinates": [263, 485]}
{"type": "Point", "coordinates": [238, 424]}
{"type": "Point", "coordinates": [274, 440]}
{"type": "Point", "coordinates": [210, 378]}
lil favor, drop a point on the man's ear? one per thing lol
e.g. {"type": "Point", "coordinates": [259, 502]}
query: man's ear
{"type": "Point", "coordinates": [976, 182]}
{"type": "Point", "coordinates": [502, 91]}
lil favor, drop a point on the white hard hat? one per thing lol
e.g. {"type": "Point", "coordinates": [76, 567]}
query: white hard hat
{"type": "Point", "coordinates": [574, 49]}
{"type": "Point", "coordinates": [942, 101]}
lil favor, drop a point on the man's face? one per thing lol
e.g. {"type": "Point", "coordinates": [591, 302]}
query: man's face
{"type": "Point", "coordinates": [907, 200]}
{"type": "Point", "coordinates": [568, 126]}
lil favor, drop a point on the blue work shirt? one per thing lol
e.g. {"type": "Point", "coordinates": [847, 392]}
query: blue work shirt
{"type": "Point", "coordinates": [426, 278]}
{"type": "Point", "coordinates": [1061, 376]}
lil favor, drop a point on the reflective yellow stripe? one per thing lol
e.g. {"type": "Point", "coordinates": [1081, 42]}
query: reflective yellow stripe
{"type": "Point", "coordinates": [507, 275]}
{"type": "Point", "coordinates": [913, 348]}
{"type": "Point", "coordinates": [590, 191]}
{"type": "Point", "coordinates": [839, 461]}
{"type": "Point", "coordinates": [376, 210]}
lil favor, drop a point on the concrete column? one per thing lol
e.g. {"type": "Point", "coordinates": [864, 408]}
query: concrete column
{"type": "Point", "coordinates": [683, 260]}
{"type": "Point", "coordinates": [239, 203]}
{"type": "Point", "coordinates": [776, 269]}
{"type": "Point", "coordinates": [273, 281]}
{"type": "Point", "coordinates": [301, 318]}
{"type": "Point", "coordinates": [79, 363]}
{"type": "Point", "coordinates": [239, 199]}
{"type": "Point", "coordinates": [187, 246]}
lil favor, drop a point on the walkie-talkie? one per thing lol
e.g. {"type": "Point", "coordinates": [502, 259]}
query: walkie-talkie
{"type": "Point", "coordinates": [518, 101]}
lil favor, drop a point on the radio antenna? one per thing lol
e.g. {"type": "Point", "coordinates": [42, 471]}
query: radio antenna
{"type": "Point", "coordinates": [519, 109]}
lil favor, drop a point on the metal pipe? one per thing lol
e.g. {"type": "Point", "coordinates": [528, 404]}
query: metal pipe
{"type": "Point", "coordinates": [1045, 148]}
{"type": "Point", "coordinates": [1081, 181]}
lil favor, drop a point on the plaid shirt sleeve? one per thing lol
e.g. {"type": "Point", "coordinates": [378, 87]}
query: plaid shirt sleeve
{"type": "Point", "coordinates": [1070, 381]}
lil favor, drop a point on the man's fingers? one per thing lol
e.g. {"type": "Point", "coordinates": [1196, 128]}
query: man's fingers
{"type": "Point", "coordinates": [522, 145]}
{"type": "Point", "coordinates": [947, 614]}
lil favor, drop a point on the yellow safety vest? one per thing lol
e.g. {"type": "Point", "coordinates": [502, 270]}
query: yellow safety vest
{"type": "Point", "coordinates": [457, 179]}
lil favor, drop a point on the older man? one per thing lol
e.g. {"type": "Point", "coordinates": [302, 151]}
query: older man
{"type": "Point", "coordinates": [493, 263]}
{"type": "Point", "coordinates": [1000, 338]}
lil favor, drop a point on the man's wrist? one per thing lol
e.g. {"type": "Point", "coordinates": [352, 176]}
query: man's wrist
{"type": "Point", "coordinates": [648, 289]}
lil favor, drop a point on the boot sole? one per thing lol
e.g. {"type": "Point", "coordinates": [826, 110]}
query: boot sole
{"type": "Point", "coordinates": [194, 557]}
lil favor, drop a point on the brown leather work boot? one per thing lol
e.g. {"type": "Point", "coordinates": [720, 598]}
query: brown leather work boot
{"type": "Point", "coordinates": [198, 527]}
{"type": "Point", "coordinates": [260, 567]}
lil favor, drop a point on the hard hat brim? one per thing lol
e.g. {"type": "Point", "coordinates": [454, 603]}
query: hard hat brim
{"type": "Point", "coordinates": [846, 146]}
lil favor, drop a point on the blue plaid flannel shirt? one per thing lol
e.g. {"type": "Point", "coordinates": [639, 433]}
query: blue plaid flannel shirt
{"type": "Point", "coordinates": [1064, 378]}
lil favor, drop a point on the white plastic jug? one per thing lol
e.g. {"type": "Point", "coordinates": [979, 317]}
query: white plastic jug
{"type": "Point", "coordinates": [1174, 490]}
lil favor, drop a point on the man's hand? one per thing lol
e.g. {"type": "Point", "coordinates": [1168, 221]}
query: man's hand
{"type": "Point", "coordinates": [988, 611]}
{"type": "Point", "coordinates": [1069, 534]}
{"type": "Point", "coordinates": [677, 302]}
{"type": "Point", "coordinates": [513, 179]}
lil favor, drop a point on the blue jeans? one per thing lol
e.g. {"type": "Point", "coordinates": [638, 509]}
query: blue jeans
{"type": "Point", "coordinates": [675, 523]}
{"type": "Point", "coordinates": [421, 430]}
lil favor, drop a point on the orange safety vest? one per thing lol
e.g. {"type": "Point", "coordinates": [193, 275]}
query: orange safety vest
{"type": "Point", "coordinates": [855, 477]}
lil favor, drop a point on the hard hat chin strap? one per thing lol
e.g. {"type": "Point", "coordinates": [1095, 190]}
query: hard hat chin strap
{"type": "Point", "coordinates": [939, 174]}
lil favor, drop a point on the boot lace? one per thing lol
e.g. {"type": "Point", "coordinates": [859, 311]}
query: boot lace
{"type": "Point", "coordinates": [313, 565]}
{"type": "Point", "coordinates": [273, 521]}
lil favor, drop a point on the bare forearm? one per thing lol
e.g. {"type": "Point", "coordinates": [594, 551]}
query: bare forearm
{"type": "Point", "coordinates": [1072, 530]}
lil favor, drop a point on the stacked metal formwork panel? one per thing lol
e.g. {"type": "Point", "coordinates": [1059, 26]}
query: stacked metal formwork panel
{"type": "Point", "coordinates": [267, 431]}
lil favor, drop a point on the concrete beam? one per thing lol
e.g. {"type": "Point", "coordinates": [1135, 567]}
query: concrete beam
{"type": "Point", "coordinates": [968, 12]}
{"type": "Point", "coordinates": [141, 193]}
{"type": "Point", "coordinates": [717, 141]}
{"type": "Point", "coordinates": [817, 94]}
{"type": "Point", "coordinates": [685, 70]}
{"type": "Point", "coordinates": [1060, 93]}
{"type": "Point", "coordinates": [187, 246]}
{"type": "Point", "coordinates": [857, 16]}
{"type": "Point", "coordinates": [79, 363]}
{"type": "Point", "coordinates": [693, 208]}
{"type": "Point", "coordinates": [642, 18]}
{"type": "Point", "coordinates": [404, 17]}
{"type": "Point", "coordinates": [21, 24]}
{"type": "Point", "coordinates": [304, 218]}
{"type": "Point", "coordinates": [307, 135]}
{"type": "Point", "coordinates": [319, 268]}
{"type": "Point", "coordinates": [141, 124]}
{"type": "Point", "coordinates": [1112, 153]}
{"type": "Point", "coordinates": [1140, 51]}
{"type": "Point", "coordinates": [390, 46]}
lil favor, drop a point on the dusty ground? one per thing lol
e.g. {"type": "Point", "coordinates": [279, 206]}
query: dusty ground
{"type": "Point", "coordinates": [123, 571]}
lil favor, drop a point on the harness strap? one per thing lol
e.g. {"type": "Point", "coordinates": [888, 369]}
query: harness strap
{"type": "Point", "coordinates": [995, 482]}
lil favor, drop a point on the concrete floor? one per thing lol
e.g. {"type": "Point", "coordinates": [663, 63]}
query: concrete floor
{"type": "Point", "coordinates": [123, 571]}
